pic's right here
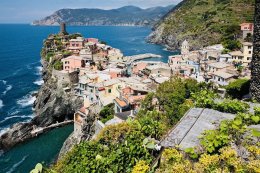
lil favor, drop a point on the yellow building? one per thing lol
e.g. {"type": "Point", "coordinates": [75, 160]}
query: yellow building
{"type": "Point", "coordinates": [243, 56]}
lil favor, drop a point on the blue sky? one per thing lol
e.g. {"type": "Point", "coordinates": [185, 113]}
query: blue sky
{"type": "Point", "coordinates": [25, 11]}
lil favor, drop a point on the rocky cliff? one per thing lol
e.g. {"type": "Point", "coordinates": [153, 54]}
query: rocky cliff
{"type": "Point", "coordinates": [202, 22]}
{"type": "Point", "coordinates": [52, 105]}
{"type": "Point", "coordinates": [125, 16]}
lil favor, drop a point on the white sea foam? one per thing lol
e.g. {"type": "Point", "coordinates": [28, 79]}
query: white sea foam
{"type": "Point", "coordinates": [1, 104]}
{"type": "Point", "coordinates": [13, 168]}
{"type": "Point", "coordinates": [8, 88]}
{"type": "Point", "coordinates": [4, 82]}
{"type": "Point", "coordinates": [27, 100]}
{"type": "Point", "coordinates": [3, 130]}
{"type": "Point", "coordinates": [38, 82]}
{"type": "Point", "coordinates": [39, 70]}
{"type": "Point", "coordinates": [16, 116]}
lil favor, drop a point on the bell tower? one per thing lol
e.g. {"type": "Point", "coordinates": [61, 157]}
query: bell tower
{"type": "Point", "coordinates": [185, 48]}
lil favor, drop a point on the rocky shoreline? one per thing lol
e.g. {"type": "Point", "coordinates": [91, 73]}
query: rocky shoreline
{"type": "Point", "coordinates": [52, 105]}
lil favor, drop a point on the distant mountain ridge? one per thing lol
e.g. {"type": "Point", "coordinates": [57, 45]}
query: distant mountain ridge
{"type": "Point", "coordinates": [124, 16]}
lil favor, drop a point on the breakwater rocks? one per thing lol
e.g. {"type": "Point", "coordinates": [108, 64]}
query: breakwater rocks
{"type": "Point", "coordinates": [53, 104]}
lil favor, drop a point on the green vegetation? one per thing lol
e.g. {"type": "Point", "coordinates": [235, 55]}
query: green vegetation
{"type": "Point", "coordinates": [49, 55]}
{"type": "Point", "coordinates": [129, 146]}
{"type": "Point", "coordinates": [216, 153]}
{"type": "Point", "coordinates": [74, 36]}
{"type": "Point", "coordinates": [66, 53]}
{"type": "Point", "coordinates": [122, 147]}
{"type": "Point", "coordinates": [231, 106]}
{"type": "Point", "coordinates": [117, 149]}
{"type": "Point", "coordinates": [207, 22]}
{"type": "Point", "coordinates": [107, 113]}
{"type": "Point", "coordinates": [238, 88]}
{"type": "Point", "coordinates": [231, 44]}
{"type": "Point", "coordinates": [58, 65]}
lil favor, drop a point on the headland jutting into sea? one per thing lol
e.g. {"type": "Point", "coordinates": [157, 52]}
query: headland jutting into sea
{"type": "Point", "coordinates": [54, 104]}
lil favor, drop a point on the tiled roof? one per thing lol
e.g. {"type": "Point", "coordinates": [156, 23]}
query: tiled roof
{"type": "Point", "coordinates": [121, 103]}
{"type": "Point", "coordinates": [223, 74]}
{"type": "Point", "coordinates": [219, 65]}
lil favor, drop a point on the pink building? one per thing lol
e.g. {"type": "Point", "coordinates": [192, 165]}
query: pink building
{"type": "Point", "coordinates": [247, 28]}
{"type": "Point", "coordinates": [138, 67]}
{"type": "Point", "coordinates": [76, 44]}
{"type": "Point", "coordinates": [93, 40]}
{"type": "Point", "coordinates": [73, 63]}
{"type": "Point", "coordinates": [116, 72]}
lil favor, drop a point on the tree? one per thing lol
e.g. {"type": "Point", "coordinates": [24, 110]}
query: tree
{"type": "Point", "coordinates": [255, 84]}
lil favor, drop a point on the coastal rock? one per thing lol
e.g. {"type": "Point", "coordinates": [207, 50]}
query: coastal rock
{"type": "Point", "coordinates": [52, 105]}
{"type": "Point", "coordinates": [18, 133]}
{"type": "Point", "coordinates": [70, 142]}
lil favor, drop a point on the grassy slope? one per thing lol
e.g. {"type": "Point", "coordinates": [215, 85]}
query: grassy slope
{"type": "Point", "coordinates": [204, 22]}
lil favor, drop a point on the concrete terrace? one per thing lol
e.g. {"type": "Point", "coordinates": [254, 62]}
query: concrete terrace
{"type": "Point", "coordinates": [185, 134]}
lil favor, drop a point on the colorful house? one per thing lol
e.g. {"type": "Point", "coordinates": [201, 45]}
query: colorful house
{"type": "Point", "coordinates": [76, 44]}
{"type": "Point", "coordinates": [73, 63]}
{"type": "Point", "coordinates": [130, 98]}
{"type": "Point", "coordinates": [243, 56]}
{"type": "Point", "coordinates": [247, 28]}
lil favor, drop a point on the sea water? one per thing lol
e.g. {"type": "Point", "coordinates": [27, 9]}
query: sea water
{"type": "Point", "coordinates": [20, 77]}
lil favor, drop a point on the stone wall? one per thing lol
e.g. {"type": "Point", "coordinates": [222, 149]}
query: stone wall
{"type": "Point", "coordinates": [255, 84]}
{"type": "Point", "coordinates": [64, 78]}
{"type": "Point", "coordinates": [98, 127]}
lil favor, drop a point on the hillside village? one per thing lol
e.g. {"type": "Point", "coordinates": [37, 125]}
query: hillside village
{"type": "Point", "coordinates": [103, 76]}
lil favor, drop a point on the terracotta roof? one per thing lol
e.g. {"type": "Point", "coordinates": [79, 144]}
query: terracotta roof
{"type": "Point", "coordinates": [121, 102]}
{"type": "Point", "coordinates": [83, 110]}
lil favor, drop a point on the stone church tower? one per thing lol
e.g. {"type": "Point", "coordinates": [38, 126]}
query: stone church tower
{"type": "Point", "coordinates": [185, 48]}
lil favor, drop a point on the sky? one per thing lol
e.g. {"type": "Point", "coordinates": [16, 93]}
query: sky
{"type": "Point", "coordinates": [25, 11]}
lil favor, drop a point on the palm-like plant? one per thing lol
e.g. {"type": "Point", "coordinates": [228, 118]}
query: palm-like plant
{"type": "Point", "coordinates": [255, 84]}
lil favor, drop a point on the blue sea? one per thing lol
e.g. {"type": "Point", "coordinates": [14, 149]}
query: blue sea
{"type": "Point", "coordinates": [20, 76]}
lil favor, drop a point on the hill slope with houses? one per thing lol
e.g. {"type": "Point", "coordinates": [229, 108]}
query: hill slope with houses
{"type": "Point", "coordinates": [203, 23]}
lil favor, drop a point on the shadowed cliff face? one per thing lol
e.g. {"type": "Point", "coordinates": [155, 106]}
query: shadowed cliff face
{"type": "Point", "coordinates": [255, 85]}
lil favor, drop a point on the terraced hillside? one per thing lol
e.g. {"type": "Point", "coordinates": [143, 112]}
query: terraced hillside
{"type": "Point", "coordinates": [202, 22]}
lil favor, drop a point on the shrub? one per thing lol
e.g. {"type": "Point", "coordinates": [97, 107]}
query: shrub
{"type": "Point", "coordinates": [141, 167]}
{"type": "Point", "coordinates": [49, 55]}
{"type": "Point", "coordinates": [58, 65]}
{"type": "Point", "coordinates": [232, 106]}
{"type": "Point", "coordinates": [204, 99]}
{"type": "Point", "coordinates": [107, 113]}
{"type": "Point", "coordinates": [238, 88]}
{"type": "Point", "coordinates": [231, 44]}
{"type": "Point", "coordinates": [173, 93]}
{"type": "Point", "coordinates": [154, 124]}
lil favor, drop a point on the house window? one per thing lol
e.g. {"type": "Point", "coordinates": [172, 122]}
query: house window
{"type": "Point", "coordinates": [250, 52]}
{"type": "Point", "coordinates": [91, 90]}
{"type": "Point", "coordinates": [248, 58]}
{"type": "Point", "coordinates": [159, 72]}
{"type": "Point", "coordinates": [109, 91]}
{"type": "Point", "coordinates": [249, 47]}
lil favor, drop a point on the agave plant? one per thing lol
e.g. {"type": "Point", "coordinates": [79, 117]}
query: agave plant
{"type": "Point", "coordinates": [37, 169]}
